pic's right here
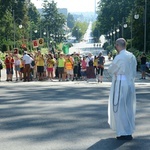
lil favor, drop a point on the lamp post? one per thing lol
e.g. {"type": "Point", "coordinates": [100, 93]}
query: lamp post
{"type": "Point", "coordinates": [136, 16]}
{"type": "Point", "coordinates": [118, 32]}
{"type": "Point", "coordinates": [20, 26]}
{"type": "Point", "coordinates": [124, 27]}
{"type": "Point", "coordinates": [44, 33]}
{"type": "Point", "coordinates": [35, 31]}
{"type": "Point", "coordinates": [108, 37]}
{"type": "Point", "coordinates": [111, 37]}
{"type": "Point", "coordinates": [30, 36]}
{"type": "Point", "coordinates": [145, 26]}
{"type": "Point", "coordinates": [114, 35]}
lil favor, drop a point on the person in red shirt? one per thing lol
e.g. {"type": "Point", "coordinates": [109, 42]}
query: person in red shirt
{"type": "Point", "coordinates": [9, 61]}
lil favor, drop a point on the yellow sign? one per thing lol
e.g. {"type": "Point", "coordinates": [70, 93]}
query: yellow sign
{"type": "Point", "coordinates": [40, 41]}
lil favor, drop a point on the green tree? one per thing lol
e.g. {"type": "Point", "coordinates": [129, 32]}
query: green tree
{"type": "Point", "coordinates": [95, 30]}
{"type": "Point", "coordinates": [79, 29]}
{"type": "Point", "coordinates": [12, 14]}
{"type": "Point", "coordinates": [52, 18]}
{"type": "Point", "coordinates": [139, 24]}
{"type": "Point", "coordinates": [53, 21]}
{"type": "Point", "coordinates": [35, 22]}
{"type": "Point", "coordinates": [70, 21]}
{"type": "Point", "coordinates": [113, 14]}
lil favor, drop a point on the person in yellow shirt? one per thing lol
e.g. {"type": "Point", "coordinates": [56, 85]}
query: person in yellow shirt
{"type": "Point", "coordinates": [95, 64]}
{"type": "Point", "coordinates": [50, 66]}
{"type": "Point", "coordinates": [69, 67]}
{"type": "Point", "coordinates": [61, 67]}
{"type": "Point", "coordinates": [40, 65]}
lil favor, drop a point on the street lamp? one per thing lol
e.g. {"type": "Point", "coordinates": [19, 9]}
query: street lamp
{"type": "Point", "coordinates": [145, 26]}
{"type": "Point", "coordinates": [125, 25]}
{"type": "Point", "coordinates": [108, 36]}
{"type": "Point", "coordinates": [46, 38]}
{"type": "Point", "coordinates": [118, 30]}
{"type": "Point", "coordinates": [44, 33]}
{"type": "Point", "coordinates": [111, 37]}
{"type": "Point", "coordinates": [114, 35]}
{"type": "Point", "coordinates": [20, 26]}
{"type": "Point", "coordinates": [35, 31]}
{"type": "Point", "coordinates": [136, 16]}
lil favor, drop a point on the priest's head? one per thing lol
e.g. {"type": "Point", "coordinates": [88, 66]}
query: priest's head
{"type": "Point", "coordinates": [120, 44]}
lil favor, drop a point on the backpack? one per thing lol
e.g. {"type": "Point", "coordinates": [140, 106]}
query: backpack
{"type": "Point", "coordinates": [101, 60]}
{"type": "Point", "coordinates": [33, 63]}
{"type": "Point", "coordinates": [1, 66]}
{"type": "Point", "coordinates": [91, 62]}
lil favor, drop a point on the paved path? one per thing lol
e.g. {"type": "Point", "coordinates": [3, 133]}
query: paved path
{"type": "Point", "coordinates": [66, 116]}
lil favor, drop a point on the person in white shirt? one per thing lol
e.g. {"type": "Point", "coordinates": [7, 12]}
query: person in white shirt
{"type": "Point", "coordinates": [17, 63]}
{"type": "Point", "coordinates": [27, 62]}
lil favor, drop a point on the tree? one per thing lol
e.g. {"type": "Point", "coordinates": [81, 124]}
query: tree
{"type": "Point", "coordinates": [52, 18]}
{"type": "Point", "coordinates": [12, 13]}
{"type": "Point", "coordinates": [113, 14]}
{"type": "Point", "coordinates": [35, 23]}
{"type": "Point", "coordinates": [70, 21]}
{"type": "Point", "coordinates": [79, 29]}
{"type": "Point", "coordinates": [95, 30]}
{"type": "Point", "coordinates": [138, 25]}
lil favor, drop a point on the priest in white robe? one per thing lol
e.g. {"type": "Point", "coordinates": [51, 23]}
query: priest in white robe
{"type": "Point", "coordinates": [122, 99]}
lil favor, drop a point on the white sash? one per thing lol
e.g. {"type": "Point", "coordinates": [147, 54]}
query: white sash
{"type": "Point", "coordinates": [121, 77]}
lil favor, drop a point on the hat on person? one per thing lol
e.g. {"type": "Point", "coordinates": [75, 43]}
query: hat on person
{"type": "Point", "coordinates": [25, 52]}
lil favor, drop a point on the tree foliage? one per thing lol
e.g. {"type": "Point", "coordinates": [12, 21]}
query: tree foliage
{"type": "Point", "coordinates": [70, 21]}
{"type": "Point", "coordinates": [113, 14]}
{"type": "Point", "coordinates": [22, 12]}
{"type": "Point", "coordinates": [53, 20]}
{"type": "Point", "coordinates": [12, 14]}
{"type": "Point", "coordinates": [79, 29]}
{"type": "Point", "coordinates": [95, 30]}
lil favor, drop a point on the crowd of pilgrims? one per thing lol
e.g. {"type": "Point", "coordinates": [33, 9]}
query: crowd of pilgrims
{"type": "Point", "coordinates": [36, 66]}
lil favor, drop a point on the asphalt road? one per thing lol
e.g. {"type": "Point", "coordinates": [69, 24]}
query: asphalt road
{"type": "Point", "coordinates": [66, 116]}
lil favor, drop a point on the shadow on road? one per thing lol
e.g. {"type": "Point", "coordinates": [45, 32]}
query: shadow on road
{"type": "Point", "coordinates": [74, 115]}
{"type": "Point", "coordinates": [107, 144]}
{"type": "Point", "coordinates": [140, 143]}
{"type": "Point", "coordinates": [55, 113]}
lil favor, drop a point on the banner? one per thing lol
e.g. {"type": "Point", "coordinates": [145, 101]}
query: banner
{"type": "Point", "coordinates": [35, 43]}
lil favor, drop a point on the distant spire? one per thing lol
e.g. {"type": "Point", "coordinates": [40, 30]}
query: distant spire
{"type": "Point", "coordinates": [95, 6]}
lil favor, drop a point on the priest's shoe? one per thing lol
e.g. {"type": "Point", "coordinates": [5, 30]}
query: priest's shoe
{"type": "Point", "coordinates": [125, 137]}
